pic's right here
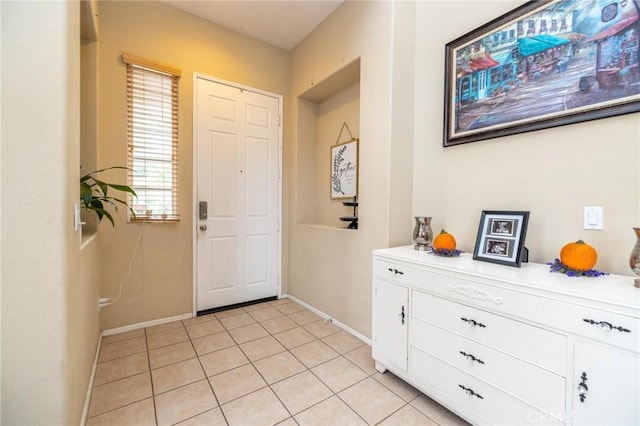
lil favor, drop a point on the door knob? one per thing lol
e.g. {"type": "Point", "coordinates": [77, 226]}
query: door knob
{"type": "Point", "coordinates": [203, 227]}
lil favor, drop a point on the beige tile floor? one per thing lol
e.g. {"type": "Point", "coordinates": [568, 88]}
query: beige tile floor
{"type": "Point", "coordinates": [265, 364]}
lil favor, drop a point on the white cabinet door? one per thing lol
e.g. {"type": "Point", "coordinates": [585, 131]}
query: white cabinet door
{"type": "Point", "coordinates": [606, 386]}
{"type": "Point", "coordinates": [390, 318]}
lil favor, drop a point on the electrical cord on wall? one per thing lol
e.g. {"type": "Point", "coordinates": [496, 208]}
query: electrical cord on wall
{"type": "Point", "coordinates": [139, 244]}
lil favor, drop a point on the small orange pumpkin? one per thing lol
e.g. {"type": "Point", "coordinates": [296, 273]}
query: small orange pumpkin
{"type": "Point", "coordinates": [579, 255]}
{"type": "Point", "coordinates": [444, 241]}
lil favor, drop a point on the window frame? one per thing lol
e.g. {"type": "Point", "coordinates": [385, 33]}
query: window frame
{"type": "Point", "coordinates": [141, 136]}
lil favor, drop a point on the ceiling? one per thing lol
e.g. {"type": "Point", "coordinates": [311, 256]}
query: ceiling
{"type": "Point", "coordinates": [280, 23]}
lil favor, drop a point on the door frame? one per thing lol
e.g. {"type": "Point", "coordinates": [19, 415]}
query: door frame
{"type": "Point", "coordinates": [194, 143]}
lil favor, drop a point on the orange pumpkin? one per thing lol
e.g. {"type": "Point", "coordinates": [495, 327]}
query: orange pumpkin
{"type": "Point", "coordinates": [579, 255]}
{"type": "Point", "coordinates": [444, 241]}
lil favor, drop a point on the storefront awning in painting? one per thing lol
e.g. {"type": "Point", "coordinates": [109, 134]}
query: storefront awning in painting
{"type": "Point", "coordinates": [477, 64]}
{"type": "Point", "coordinates": [532, 45]}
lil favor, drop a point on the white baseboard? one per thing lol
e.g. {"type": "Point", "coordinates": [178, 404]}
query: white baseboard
{"type": "Point", "coordinates": [333, 320]}
{"type": "Point", "coordinates": [87, 399]}
{"type": "Point", "coordinates": [145, 324]}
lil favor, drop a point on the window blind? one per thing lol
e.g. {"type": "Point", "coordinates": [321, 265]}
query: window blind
{"type": "Point", "coordinates": [152, 117]}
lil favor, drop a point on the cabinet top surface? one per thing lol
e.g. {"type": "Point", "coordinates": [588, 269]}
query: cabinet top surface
{"type": "Point", "coordinates": [611, 289]}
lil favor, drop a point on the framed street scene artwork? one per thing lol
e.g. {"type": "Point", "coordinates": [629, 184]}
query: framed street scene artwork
{"type": "Point", "coordinates": [546, 63]}
{"type": "Point", "coordinates": [501, 236]}
{"type": "Point", "coordinates": [344, 170]}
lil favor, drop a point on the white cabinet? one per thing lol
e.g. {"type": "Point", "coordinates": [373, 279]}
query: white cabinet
{"type": "Point", "coordinates": [605, 385]}
{"type": "Point", "coordinates": [391, 307]}
{"type": "Point", "coordinates": [502, 345]}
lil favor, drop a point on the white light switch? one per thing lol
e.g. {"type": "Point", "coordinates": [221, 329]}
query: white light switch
{"type": "Point", "coordinates": [76, 217]}
{"type": "Point", "coordinates": [593, 218]}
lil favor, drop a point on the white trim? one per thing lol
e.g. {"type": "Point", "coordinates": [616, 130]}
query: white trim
{"type": "Point", "coordinates": [194, 196]}
{"type": "Point", "coordinates": [87, 398]}
{"type": "Point", "coordinates": [146, 324]}
{"type": "Point", "coordinates": [333, 320]}
{"type": "Point", "coordinates": [280, 98]}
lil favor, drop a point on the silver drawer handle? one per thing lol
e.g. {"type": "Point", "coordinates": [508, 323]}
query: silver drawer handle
{"type": "Point", "coordinates": [606, 326]}
{"type": "Point", "coordinates": [583, 389]}
{"type": "Point", "coordinates": [471, 357]}
{"type": "Point", "coordinates": [473, 322]}
{"type": "Point", "coordinates": [470, 392]}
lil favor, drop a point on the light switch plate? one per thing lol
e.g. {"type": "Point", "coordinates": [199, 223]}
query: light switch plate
{"type": "Point", "coordinates": [593, 218]}
{"type": "Point", "coordinates": [76, 218]}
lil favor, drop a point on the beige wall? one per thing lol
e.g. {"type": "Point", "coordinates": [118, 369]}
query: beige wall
{"type": "Point", "coordinates": [46, 321]}
{"type": "Point", "coordinates": [553, 173]}
{"type": "Point", "coordinates": [330, 268]}
{"type": "Point", "coordinates": [165, 34]}
{"type": "Point", "coordinates": [83, 330]}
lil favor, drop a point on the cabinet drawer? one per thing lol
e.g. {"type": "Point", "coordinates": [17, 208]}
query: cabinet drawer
{"type": "Point", "coordinates": [532, 344]}
{"type": "Point", "coordinates": [606, 327]}
{"type": "Point", "coordinates": [545, 311]}
{"type": "Point", "coordinates": [539, 387]}
{"type": "Point", "coordinates": [398, 273]}
{"type": "Point", "coordinates": [495, 406]}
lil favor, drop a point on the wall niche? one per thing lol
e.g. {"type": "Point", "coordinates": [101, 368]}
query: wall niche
{"type": "Point", "coordinates": [322, 110]}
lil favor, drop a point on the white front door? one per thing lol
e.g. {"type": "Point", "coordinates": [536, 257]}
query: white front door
{"type": "Point", "coordinates": [237, 135]}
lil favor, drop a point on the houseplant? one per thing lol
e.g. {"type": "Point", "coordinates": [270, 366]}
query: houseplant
{"type": "Point", "coordinates": [95, 196]}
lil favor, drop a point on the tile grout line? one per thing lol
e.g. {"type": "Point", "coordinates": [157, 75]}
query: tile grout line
{"type": "Point", "coordinates": [208, 382]}
{"type": "Point", "coordinates": [153, 395]}
{"type": "Point", "coordinates": [308, 369]}
{"type": "Point", "coordinates": [302, 326]}
{"type": "Point", "coordinates": [336, 393]}
{"type": "Point", "coordinates": [289, 350]}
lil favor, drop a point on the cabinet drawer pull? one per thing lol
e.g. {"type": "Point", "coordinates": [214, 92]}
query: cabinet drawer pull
{"type": "Point", "coordinates": [402, 315]}
{"type": "Point", "coordinates": [473, 322]}
{"type": "Point", "coordinates": [395, 271]}
{"type": "Point", "coordinates": [471, 357]}
{"type": "Point", "coordinates": [606, 326]}
{"type": "Point", "coordinates": [470, 392]}
{"type": "Point", "coordinates": [583, 389]}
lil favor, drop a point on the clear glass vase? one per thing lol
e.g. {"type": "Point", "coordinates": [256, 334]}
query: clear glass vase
{"type": "Point", "coordinates": [422, 233]}
{"type": "Point", "coordinates": [634, 259]}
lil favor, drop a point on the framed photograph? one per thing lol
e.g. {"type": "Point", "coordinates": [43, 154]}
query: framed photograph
{"type": "Point", "coordinates": [344, 170]}
{"type": "Point", "coordinates": [501, 236]}
{"type": "Point", "coordinates": [546, 63]}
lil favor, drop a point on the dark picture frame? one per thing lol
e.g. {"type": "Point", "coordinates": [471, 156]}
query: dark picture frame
{"type": "Point", "coordinates": [544, 64]}
{"type": "Point", "coordinates": [501, 237]}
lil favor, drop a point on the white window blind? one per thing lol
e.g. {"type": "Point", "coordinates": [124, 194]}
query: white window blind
{"type": "Point", "coordinates": [152, 116]}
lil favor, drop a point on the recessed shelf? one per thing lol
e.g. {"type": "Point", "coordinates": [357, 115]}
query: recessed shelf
{"type": "Point", "coordinates": [333, 84]}
{"type": "Point", "coordinates": [322, 109]}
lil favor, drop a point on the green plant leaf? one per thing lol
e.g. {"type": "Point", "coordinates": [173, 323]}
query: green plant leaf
{"type": "Point", "coordinates": [94, 194]}
{"type": "Point", "coordinates": [109, 201]}
{"type": "Point", "coordinates": [97, 204]}
{"type": "Point", "coordinates": [123, 188]}
{"type": "Point", "coordinates": [110, 168]}
{"type": "Point", "coordinates": [108, 216]}
{"type": "Point", "coordinates": [103, 186]}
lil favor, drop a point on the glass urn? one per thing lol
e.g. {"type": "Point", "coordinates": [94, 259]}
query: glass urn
{"type": "Point", "coordinates": [422, 233]}
{"type": "Point", "coordinates": [634, 259]}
